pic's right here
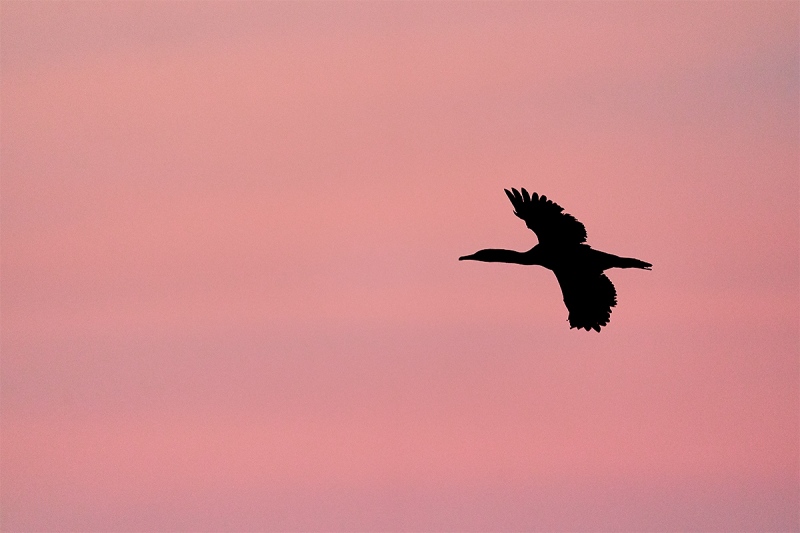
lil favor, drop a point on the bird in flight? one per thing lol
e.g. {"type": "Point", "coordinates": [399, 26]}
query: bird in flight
{"type": "Point", "coordinates": [588, 294]}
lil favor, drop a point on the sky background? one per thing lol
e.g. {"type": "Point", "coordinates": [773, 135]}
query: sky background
{"type": "Point", "coordinates": [231, 298]}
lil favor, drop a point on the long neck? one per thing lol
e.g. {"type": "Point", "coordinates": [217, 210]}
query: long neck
{"type": "Point", "coordinates": [505, 256]}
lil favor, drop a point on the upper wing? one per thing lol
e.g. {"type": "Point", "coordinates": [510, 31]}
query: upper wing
{"type": "Point", "coordinates": [588, 296]}
{"type": "Point", "coordinates": [546, 218]}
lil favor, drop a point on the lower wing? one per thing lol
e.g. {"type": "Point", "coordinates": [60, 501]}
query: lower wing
{"type": "Point", "coordinates": [588, 296]}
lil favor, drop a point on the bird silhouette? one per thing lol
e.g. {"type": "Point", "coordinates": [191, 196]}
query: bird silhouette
{"type": "Point", "coordinates": [588, 294]}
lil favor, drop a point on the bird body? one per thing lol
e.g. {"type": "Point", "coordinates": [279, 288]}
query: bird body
{"type": "Point", "coordinates": [588, 294]}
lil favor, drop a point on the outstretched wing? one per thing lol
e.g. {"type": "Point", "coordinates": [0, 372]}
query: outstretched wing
{"type": "Point", "coordinates": [546, 218]}
{"type": "Point", "coordinates": [589, 297]}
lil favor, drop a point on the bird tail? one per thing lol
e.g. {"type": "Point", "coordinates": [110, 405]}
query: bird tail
{"type": "Point", "coordinates": [630, 262]}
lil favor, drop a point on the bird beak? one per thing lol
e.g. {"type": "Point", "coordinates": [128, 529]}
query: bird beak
{"type": "Point", "coordinates": [463, 257]}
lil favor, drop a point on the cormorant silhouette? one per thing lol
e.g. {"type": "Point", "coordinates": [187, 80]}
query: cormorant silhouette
{"type": "Point", "coordinates": [588, 294]}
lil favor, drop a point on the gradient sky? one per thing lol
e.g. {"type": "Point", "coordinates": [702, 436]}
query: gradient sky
{"type": "Point", "coordinates": [231, 298]}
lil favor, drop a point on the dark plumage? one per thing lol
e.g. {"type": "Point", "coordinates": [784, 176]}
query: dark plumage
{"type": "Point", "coordinates": [588, 294]}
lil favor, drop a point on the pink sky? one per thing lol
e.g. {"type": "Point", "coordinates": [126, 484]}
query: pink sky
{"type": "Point", "coordinates": [231, 299]}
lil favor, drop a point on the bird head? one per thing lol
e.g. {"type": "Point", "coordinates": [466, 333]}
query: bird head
{"type": "Point", "coordinates": [480, 255]}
